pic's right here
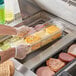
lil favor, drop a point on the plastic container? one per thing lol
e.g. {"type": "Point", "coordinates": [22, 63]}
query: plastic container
{"type": "Point", "coordinates": [2, 12]}
{"type": "Point", "coordinates": [46, 35]}
{"type": "Point", "coordinates": [9, 11]}
{"type": "Point", "coordinates": [39, 38]}
{"type": "Point", "coordinates": [72, 70]}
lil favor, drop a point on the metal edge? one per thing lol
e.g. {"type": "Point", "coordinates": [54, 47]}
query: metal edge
{"type": "Point", "coordinates": [20, 68]}
{"type": "Point", "coordinates": [67, 67]}
{"type": "Point", "coordinates": [67, 24]}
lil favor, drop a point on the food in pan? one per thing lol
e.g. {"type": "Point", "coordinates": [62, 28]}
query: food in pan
{"type": "Point", "coordinates": [7, 41]}
{"type": "Point", "coordinates": [52, 29]}
{"type": "Point", "coordinates": [55, 64]}
{"type": "Point", "coordinates": [66, 57]}
{"type": "Point", "coordinates": [5, 46]}
{"type": "Point", "coordinates": [50, 38]}
{"type": "Point", "coordinates": [36, 46]}
{"type": "Point", "coordinates": [46, 41]}
{"type": "Point", "coordinates": [7, 68]}
{"type": "Point", "coordinates": [45, 71]}
{"type": "Point", "coordinates": [14, 39]}
{"type": "Point", "coordinates": [42, 34]}
{"type": "Point", "coordinates": [72, 50]}
{"type": "Point", "coordinates": [52, 33]}
{"type": "Point", "coordinates": [57, 35]}
{"type": "Point", "coordinates": [32, 39]}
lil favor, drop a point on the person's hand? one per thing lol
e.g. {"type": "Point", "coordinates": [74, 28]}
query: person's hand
{"type": "Point", "coordinates": [7, 30]}
{"type": "Point", "coordinates": [21, 51]}
{"type": "Point", "coordinates": [7, 54]}
{"type": "Point", "coordinates": [18, 52]}
{"type": "Point", "coordinates": [24, 31]}
{"type": "Point", "coordinates": [19, 31]}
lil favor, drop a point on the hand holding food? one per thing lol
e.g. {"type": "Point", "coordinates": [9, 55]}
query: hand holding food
{"type": "Point", "coordinates": [20, 31]}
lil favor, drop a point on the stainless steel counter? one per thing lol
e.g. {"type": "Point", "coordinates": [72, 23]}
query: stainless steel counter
{"type": "Point", "coordinates": [21, 70]}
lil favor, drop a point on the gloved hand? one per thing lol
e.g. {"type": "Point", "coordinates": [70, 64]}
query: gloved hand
{"type": "Point", "coordinates": [18, 52]}
{"type": "Point", "coordinates": [19, 31]}
{"type": "Point", "coordinates": [24, 31]}
{"type": "Point", "coordinates": [21, 51]}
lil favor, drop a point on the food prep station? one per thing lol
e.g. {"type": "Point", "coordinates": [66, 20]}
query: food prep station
{"type": "Point", "coordinates": [36, 59]}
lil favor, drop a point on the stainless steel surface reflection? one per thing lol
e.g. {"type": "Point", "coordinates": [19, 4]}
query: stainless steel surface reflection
{"type": "Point", "coordinates": [28, 8]}
{"type": "Point", "coordinates": [21, 70]}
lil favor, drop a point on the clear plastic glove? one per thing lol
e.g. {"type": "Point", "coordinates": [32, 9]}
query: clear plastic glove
{"type": "Point", "coordinates": [22, 31]}
{"type": "Point", "coordinates": [21, 51]}
{"type": "Point", "coordinates": [19, 31]}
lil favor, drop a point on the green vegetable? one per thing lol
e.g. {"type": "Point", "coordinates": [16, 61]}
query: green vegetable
{"type": "Point", "coordinates": [5, 46]}
{"type": "Point", "coordinates": [14, 39]}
